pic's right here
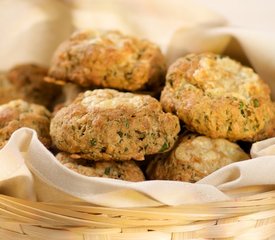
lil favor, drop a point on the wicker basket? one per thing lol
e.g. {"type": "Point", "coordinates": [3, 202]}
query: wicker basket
{"type": "Point", "coordinates": [250, 217]}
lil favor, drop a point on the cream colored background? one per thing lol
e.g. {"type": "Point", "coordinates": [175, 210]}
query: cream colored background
{"type": "Point", "coordinates": [254, 14]}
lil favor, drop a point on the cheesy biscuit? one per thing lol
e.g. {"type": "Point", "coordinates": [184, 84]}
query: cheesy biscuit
{"type": "Point", "coordinates": [108, 59]}
{"type": "Point", "coordinates": [217, 97]}
{"type": "Point", "coordinates": [123, 170]}
{"type": "Point", "coordinates": [28, 82]}
{"type": "Point", "coordinates": [111, 125]}
{"type": "Point", "coordinates": [193, 158]}
{"type": "Point", "coordinates": [17, 114]}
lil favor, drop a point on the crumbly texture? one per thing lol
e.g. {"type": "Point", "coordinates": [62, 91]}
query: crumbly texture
{"type": "Point", "coordinates": [7, 90]}
{"type": "Point", "coordinates": [28, 81]}
{"type": "Point", "coordinates": [269, 130]}
{"type": "Point", "coordinates": [108, 59]}
{"type": "Point", "coordinates": [123, 170]}
{"type": "Point", "coordinates": [217, 97]}
{"type": "Point", "coordinates": [17, 114]}
{"type": "Point", "coordinates": [193, 158]}
{"type": "Point", "coordinates": [110, 125]}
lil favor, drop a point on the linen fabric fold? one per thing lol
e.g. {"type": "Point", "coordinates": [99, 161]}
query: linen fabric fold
{"type": "Point", "coordinates": [30, 171]}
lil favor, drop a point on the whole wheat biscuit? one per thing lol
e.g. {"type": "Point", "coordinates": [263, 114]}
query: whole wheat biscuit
{"type": "Point", "coordinates": [108, 59]}
{"type": "Point", "coordinates": [110, 125]}
{"type": "Point", "coordinates": [193, 158]}
{"type": "Point", "coordinates": [218, 97]}
{"type": "Point", "coordinates": [123, 170]}
{"type": "Point", "coordinates": [28, 82]}
{"type": "Point", "coordinates": [17, 114]}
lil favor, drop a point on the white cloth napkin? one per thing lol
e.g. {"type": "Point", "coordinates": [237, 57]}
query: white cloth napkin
{"type": "Point", "coordinates": [28, 169]}
{"type": "Point", "coordinates": [31, 30]}
{"type": "Point", "coordinates": [54, 182]}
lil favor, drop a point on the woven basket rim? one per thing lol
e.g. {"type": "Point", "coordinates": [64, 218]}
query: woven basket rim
{"type": "Point", "coordinates": [238, 218]}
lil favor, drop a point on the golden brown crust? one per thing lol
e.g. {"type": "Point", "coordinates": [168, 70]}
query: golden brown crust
{"type": "Point", "coordinates": [123, 170]}
{"type": "Point", "coordinates": [269, 130]}
{"type": "Point", "coordinates": [218, 97]}
{"type": "Point", "coordinates": [108, 59]}
{"type": "Point", "coordinates": [28, 81]}
{"type": "Point", "coordinates": [193, 158]}
{"type": "Point", "coordinates": [111, 125]}
{"type": "Point", "coordinates": [17, 114]}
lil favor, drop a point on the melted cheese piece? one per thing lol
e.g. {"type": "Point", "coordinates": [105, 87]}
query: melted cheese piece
{"type": "Point", "coordinates": [111, 100]}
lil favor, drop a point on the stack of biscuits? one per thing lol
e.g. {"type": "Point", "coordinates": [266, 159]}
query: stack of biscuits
{"type": "Point", "coordinates": [221, 102]}
{"type": "Point", "coordinates": [181, 124]}
{"type": "Point", "coordinates": [104, 131]}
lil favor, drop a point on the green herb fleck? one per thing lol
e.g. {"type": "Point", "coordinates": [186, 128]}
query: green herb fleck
{"type": "Point", "coordinates": [103, 149]}
{"type": "Point", "coordinates": [256, 126]}
{"type": "Point", "coordinates": [127, 123]}
{"type": "Point", "coordinates": [107, 171]}
{"type": "Point", "coordinates": [141, 136]}
{"type": "Point", "coordinates": [241, 105]}
{"type": "Point", "coordinates": [164, 147]}
{"type": "Point", "coordinates": [93, 142]}
{"type": "Point", "coordinates": [126, 149]}
{"type": "Point", "coordinates": [256, 102]}
{"type": "Point", "coordinates": [145, 147]}
{"type": "Point", "coordinates": [120, 133]}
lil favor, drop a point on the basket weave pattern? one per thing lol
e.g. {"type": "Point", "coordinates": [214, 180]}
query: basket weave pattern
{"type": "Point", "coordinates": [245, 218]}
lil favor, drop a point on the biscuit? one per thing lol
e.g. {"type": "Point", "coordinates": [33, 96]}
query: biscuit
{"type": "Point", "coordinates": [7, 90]}
{"type": "Point", "coordinates": [106, 124]}
{"type": "Point", "coordinates": [17, 114]}
{"type": "Point", "coordinates": [217, 97]}
{"type": "Point", "coordinates": [123, 170]}
{"type": "Point", "coordinates": [193, 158]}
{"type": "Point", "coordinates": [28, 81]}
{"type": "Point", "coordinates": [108, 59]}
